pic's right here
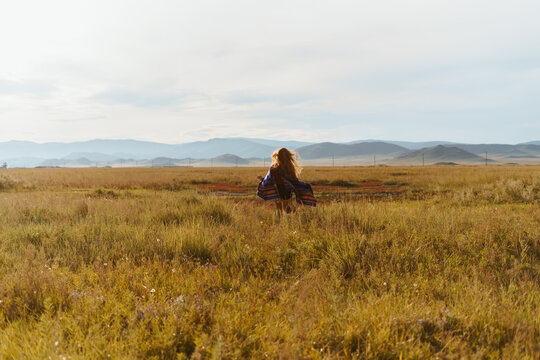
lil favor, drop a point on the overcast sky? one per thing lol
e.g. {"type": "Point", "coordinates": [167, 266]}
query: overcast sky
{"type": "Point", "coordinates": [178, 71]}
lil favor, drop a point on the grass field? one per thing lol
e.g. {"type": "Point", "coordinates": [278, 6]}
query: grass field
{"type": "Point", "coordinates": [175, 263]}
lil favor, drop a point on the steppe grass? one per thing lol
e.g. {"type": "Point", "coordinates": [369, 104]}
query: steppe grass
{"type": "Point", "coordinates": [140, 263]}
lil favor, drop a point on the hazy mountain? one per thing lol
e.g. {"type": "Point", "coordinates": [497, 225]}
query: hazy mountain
{"type": "Point", "coordinates": [440, 154]}
{"type": "Point", "coordinates": [327, 149]}
{"type": "Point", "coordinates": [531, 143]}
{"type": "Point", "coordinates": [411, 145]}
{"type": "Point", "coordinates": [29, 154]}
{"type": "Point", "coordinates": [104, 150]}
{"type": "Point", "coordinates": [230, 159]}
{"type": "Point", "coordinates": [217, 147]}
{"type": "Point", "coordinates": [136, 148]}
{"type": "Point", "coordinates": [93, 156]}
{"type": "Point", "coordinates": [502, 150]}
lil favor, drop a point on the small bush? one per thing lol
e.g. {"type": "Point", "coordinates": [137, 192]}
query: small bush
{"type": "Point", "coordinates": [104, 194]}
{"type": "Point", "coordinates": [7, 183]}
{"type": "Point", "coordinates": [82, 209]}
{"type": "Point", "coordinates": [198, 248]}
{"type": "Point", "coordinates": [214, 212]}
{"type": "Point", "coordinates": [170, 217]}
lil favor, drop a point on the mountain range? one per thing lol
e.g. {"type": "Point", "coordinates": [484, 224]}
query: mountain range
{"type": "Point", "coordinates": [440, 154]}
{"type": "Point", "coordinates": [247, 151]}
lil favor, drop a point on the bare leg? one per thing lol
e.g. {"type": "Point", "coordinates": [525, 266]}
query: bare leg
{"type": "Point", "coordinates": [279, 209]}
{"type": "Point", "coordinates": [289, 207]}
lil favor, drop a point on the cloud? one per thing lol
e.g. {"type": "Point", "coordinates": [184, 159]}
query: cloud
{"type": "Point", "coordinates": [139, 99]}
{"type": "Point", "coordinates": [277, 99]}
{"type": "Point", "coordinates": [187, 70]}
{"type": "Point", "coordinates": [33, 87]}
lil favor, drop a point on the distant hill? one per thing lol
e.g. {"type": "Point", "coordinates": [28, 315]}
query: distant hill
{"type": "Point", "coordinates": [328, 149]}
{"type": "Point", "coordinates": [411, 145]}
{"type": "Point", "coordinates": [135, 148]}
{"type": "Point", "coordinates": [502, 150]}
{"type": "Point", "coordinates": [446, 163]}
{"type": "Point", "coordinates": [93, 156]}
{"type": "Point", "coordinates": [531, 143]}
{"type": "Point", "coordinates": [217, 147]}
{"type": "Point", "coordinates": [109, 150]}
{"type": "Point", "coordinates": [440, 154]}
{"type": "Point", "coordinates": [230, 159]}
{"type": "Point", "coordinates": [125, 152]}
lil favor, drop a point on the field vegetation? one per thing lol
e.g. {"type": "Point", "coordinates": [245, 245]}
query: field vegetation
{"type": "Point", "coordinates": [178, 263]}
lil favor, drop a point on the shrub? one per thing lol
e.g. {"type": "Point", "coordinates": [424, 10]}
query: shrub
{"type": "Point", "coordinates": [7, 183]}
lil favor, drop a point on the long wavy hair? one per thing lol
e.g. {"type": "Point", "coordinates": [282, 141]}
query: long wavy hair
{"type": "Point", "coordinates": [284, 160]}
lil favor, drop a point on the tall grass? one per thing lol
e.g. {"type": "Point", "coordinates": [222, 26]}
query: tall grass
{"type": "Point", "coordinates": [97, 264]}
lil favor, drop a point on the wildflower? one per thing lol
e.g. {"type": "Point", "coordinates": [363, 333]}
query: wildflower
{"type": "Point", "coordinates": [158, 240]}
{"type": "Point", "coordinates": [179, 300]}
{"type": "Point", "coordinates": [415, 284]}
{"type": "Point", "coordinates": [153, 290]}
{"type": "Point", "coordinates": [384, 283]}
{"type": "Point", "coordinates": [173, 270]}
{"type": "Point", "coordinates": [104, 264]}
{"type": "Point", "coordinates": [56, 343]}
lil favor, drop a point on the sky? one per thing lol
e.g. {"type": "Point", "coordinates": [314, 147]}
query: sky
{"type": "Point", "coordinates": [180, 71]}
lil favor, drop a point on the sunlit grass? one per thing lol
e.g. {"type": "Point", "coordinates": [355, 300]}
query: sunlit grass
{"type": "Point", "coordinates": [141, 263]}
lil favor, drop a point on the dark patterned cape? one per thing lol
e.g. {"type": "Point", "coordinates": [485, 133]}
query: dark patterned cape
{"type": "Point", "coordinates": [268, 188]}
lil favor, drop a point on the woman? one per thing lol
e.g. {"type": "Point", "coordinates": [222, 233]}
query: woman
{"type": "Point", "coordinates": [282, 181]}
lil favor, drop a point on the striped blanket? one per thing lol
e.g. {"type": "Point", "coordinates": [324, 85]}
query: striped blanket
{"type": "Point", "coordinates": [268, 188]}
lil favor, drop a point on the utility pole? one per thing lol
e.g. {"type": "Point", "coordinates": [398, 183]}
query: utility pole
{"type": "Point", "coordinates": [333, 160]}
{"type": "Point", "coordinates": [212, 163]}
{"type": "Point", "coordinates": [374, 161]}
{"type": "Point", "coordinates": [486, 158]}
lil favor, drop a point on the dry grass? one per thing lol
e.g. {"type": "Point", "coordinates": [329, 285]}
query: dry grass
{"type": "Point", "coordinates": [150, 263]}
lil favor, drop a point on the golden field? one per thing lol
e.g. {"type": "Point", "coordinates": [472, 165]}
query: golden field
{"type": "Point", "coordinates": [177, 263]}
